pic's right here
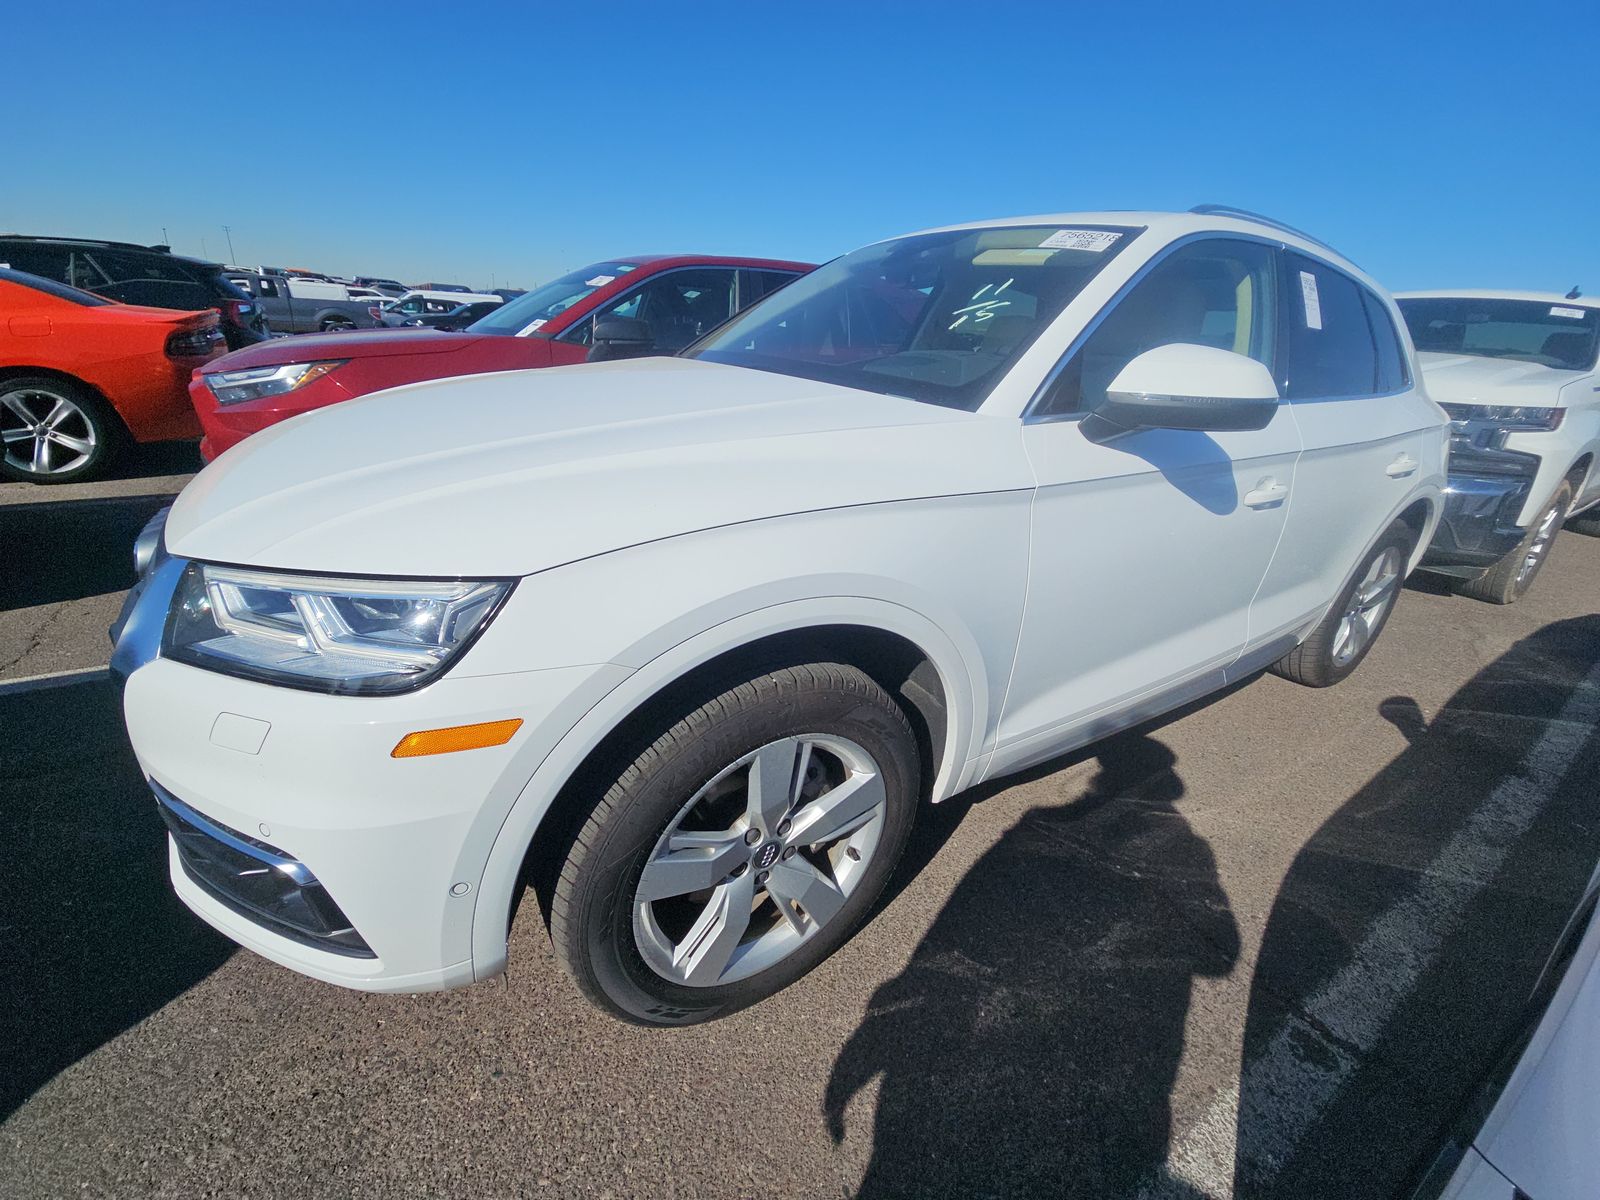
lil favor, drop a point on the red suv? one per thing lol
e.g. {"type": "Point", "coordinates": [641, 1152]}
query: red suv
{"type": "Point", "coordinates": [655, 305]}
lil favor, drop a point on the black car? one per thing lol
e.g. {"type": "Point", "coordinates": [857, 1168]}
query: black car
{"type": "Point", "coordinates": [134, 274]}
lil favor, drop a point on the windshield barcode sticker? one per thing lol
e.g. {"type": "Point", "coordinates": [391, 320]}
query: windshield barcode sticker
{"type": "Point", "coordinates": [1573, 314]}
{"type": "Point", "coordinates": [1308, 292]}
{"type": "Point", "coordinates": [539, 324]}
{"type": "Point", "coordinates": [1096, 240]}
{"type": "Point", "coordinates": [598, 281]}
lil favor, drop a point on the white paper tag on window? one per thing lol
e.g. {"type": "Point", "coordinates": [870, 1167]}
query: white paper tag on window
{"type": "Point", "coordinates": [1308, 292]}
{"type": "Point", "coordinates": [598, 281]}
{"type": "Point", "coordinates": [539, 324]}
{"type": "Point", "coordinates": [1573, 314]}
{"type": "Point", "coordinates": [1097, 240]}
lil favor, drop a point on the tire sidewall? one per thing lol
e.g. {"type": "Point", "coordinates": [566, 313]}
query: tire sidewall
{"type": "Point", "coordinates": [106, 429]}
{"type": "Point", "coordinates": [604, 900]}
{"type": "Point", "coordinates": [1562, 500]}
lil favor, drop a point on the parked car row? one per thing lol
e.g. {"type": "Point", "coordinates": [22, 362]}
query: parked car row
{"type": "Point", "coordinates": [682, 641]}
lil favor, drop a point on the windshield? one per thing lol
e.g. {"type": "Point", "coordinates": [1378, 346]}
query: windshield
{"type": "Point", "coordinates": [1537, 331]}
{"type": "Point", "coordinates": [531, 310]}
{"type": "Point", "coordinates": [937, 317]}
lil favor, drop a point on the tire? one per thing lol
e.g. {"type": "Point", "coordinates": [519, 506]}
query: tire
{"type": "Point", "coordinates": [333, 324]}
{"type": "Point", "coordinates": [1326, 657]}
{"type": "Point", "coordinates": [682, 957]}
{"type": "Point", "coordinates": [1586, 523]}
{"type": "Point", "coordinates": [1510, 578]}
{"type": "Point", "coordinates": [84, 434]}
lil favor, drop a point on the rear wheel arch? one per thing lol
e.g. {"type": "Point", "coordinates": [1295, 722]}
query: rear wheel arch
{"type": "Point", "coordinates": [10, 372]}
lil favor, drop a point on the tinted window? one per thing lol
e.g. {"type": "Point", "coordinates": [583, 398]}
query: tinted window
{"type": "Point", "coordinates": [1327, 340]}
{"type": "Point", "coordinates": [679, 306]}
{"type": "Point", "coordinates": [1212, 293]}
{"type": "Point", "coordinates": [49, 262]}
{"type": "Point", "coordinates": [1392, 373]}
{"type": "Point", "coordinates": [762, 283]}
{"type": "Point", "coordinates": [938, 317]}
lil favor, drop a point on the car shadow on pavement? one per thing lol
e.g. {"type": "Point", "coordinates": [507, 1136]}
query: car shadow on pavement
{"type": "Point", "coordinates": [1030, 1046]}
{"type": "Point", "coordinates": [1405, 938]}
{"type": "Point", "coordinates": [93, 938]}
{"type": "Point", "coordinates": [58, 551]}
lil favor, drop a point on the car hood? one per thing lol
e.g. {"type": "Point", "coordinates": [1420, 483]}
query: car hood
{"type": "Point", "coordinates": [375, 344]}
{"type": "Point", "coordinates": [519, 471]}
{"type": "Point", "coordinates": [1472, 379]}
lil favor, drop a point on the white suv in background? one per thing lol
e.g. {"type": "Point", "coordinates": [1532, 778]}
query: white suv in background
{"type": "Point", "coordinates": [682, 643]}
{"type": "Point", "coordinates": [1516, 372]}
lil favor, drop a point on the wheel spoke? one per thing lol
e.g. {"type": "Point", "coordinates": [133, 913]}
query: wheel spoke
{"type": "Point", "coordinates": [841, 811]}
{"type": "Point", "coordinates": [1378, 590]}
{"type": "Point", "coordinates": [1341, 638]}
{"type": "Point", "coordinates": [15, 404]}
{"type": "Point", "coordinates": [693, 863]}
{"type": "Point", "coordinates": [706, 949]}
{"type": "Point", "coordinates": [797, 881]}
{"type": "Point", "coordinates": [41, 455]}
{"type": "Point", "coordinates": [79, 445]}
{"type": "Point", "coordinates": [58, 413]}
{"type": "Point", "coordinates": [774, 782]}
{"type": "Point", "coordinates": [16, 435]}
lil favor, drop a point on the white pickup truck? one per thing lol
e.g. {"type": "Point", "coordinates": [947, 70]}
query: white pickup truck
{"type": "Point", "coordinates": [1516, 372]}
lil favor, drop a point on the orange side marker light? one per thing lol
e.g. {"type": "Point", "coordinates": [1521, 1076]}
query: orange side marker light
{"type": "Point", "coordinates": [457, 737]}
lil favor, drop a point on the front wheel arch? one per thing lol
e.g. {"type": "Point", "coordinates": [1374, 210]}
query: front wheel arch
{"type": "Point", "coordinates": [544, 811]}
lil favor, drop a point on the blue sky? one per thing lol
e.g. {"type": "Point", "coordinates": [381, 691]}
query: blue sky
{"type": "Point", "coordinates": [1436, 144]}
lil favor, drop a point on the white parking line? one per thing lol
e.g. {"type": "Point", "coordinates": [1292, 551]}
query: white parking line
{"type": "Point", "coordinates": [1285, 1089]}
{"type": "Point", "coordinates": [53, 679]}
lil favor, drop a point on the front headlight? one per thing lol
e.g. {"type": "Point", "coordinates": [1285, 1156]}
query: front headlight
{"type": "Point", "coordinates": [363, 636]}
{"type": "Point", "coordinates": [1508, 416]}
{"type": "Point", "coordinates": [255, 383]}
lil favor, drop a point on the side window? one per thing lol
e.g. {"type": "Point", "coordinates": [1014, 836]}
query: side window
{"type": "Point", "coordinates": [679, 307]}
{"type": "Point", "coordinates": [413, 306]}
{"type": "Point", "coordinates": [1329, 351]}
{"type": "Point", "coordinates": [1392, 373]}
{"type": "Point", "coordinates": [756, 284]}
{"type": "Point", "coordinates": [1213, 293]}
{"type": "Point", "coordinates": [48, 262]}
{"type": "Point", "coordinates": [267, 287]}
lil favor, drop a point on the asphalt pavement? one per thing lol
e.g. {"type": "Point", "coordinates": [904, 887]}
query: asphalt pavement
{"type": "Point", "coordinates": [1261, 948]}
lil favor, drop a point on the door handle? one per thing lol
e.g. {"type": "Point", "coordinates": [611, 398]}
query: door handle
{"type": "Point", "coordinates": [1401, 467]}
{"type": "Point", "coordinates": [1268, 491]}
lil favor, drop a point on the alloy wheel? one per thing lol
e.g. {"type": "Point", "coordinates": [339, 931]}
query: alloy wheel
{"type": "Point", "coordinates": [1543, 536]}
{"type": "Point", "coordinates": [44, 433]}
{"type": "Point", "coordinates": [759, 860]}
{"type": "Point", "coordinates": [1368, 605]}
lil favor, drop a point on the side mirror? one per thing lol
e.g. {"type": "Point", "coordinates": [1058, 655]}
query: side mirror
{"type": "Point", "coordinates": [620, 337]}
{"type": "Point", "coordinates": [1182, 386]}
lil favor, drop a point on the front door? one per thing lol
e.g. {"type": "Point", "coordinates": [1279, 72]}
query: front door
{"type": "Point", "coordinates": [1148, 548]}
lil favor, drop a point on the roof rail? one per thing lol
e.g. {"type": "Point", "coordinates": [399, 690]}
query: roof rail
{"type": "Point", "coordinates": [1227, 210]}
{"type": "Point", "coordinates": [74, 241]}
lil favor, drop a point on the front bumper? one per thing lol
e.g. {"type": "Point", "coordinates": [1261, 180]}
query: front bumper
{"type": "Point", "coordinates": [1483, 501]}
{"type": "Point", "coordinates": [387, 855]}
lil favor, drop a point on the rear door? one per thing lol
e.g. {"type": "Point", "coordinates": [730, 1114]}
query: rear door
{"type": "Point", "coordinates": [1364, 430]}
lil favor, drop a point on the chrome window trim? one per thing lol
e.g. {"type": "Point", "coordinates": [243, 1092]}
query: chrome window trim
{"type": "Point", "coordinates": [1032, 417]}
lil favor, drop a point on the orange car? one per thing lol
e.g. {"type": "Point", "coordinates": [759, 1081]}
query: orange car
{"type": "Point", "coordinates": [81, 375]}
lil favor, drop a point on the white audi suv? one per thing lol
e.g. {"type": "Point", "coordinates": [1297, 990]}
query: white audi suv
{"type": "Point", "coordinates": [683, 643]}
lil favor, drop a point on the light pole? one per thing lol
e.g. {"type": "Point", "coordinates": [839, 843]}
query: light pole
{"type": "Point", "coordinates": [227, 231]}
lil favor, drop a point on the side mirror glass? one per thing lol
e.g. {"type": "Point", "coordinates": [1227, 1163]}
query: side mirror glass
{"type": "Point", "coordinates": [1183, 386]}
{"type": "Point", "coordinates": [620, 337]}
